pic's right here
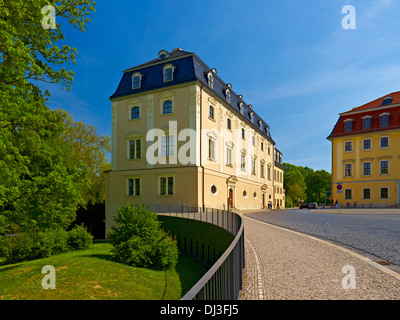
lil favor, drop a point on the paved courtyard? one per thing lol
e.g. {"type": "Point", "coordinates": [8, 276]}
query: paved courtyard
{"type": "Point", "coordinates": [286, 265]}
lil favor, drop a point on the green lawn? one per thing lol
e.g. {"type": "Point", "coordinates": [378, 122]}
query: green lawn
{"type": "Point", "coordinates": [91, 275]}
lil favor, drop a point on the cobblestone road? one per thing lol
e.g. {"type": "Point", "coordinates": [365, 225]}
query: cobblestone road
{"type": "Point", "coordinates": [286, 265]}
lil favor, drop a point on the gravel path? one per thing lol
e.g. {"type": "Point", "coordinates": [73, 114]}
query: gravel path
{"type": "Point", "coordinates": [285, 265]}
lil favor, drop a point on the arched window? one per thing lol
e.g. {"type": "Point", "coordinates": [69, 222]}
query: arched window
{"type": "Point", "coordinates": [211, 113]}
{"type": "Point", "coordinates": [228, 95]}
{"type": "Point", "coordinates": [168, 72]}
{"type": "Point", "coordinates": [135, 113]}
{"type": "Point", "coordinates": [136, 80]}
{"type": "Point", "coordinates": [229, 124]}
{"type": "Point", "coordinates": [167, 107]}
{"type": "Point", "coordinates": [210, 80]}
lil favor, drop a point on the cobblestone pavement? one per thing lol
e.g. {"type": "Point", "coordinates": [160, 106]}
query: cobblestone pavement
{"type": "Point", "coordinates": [286, 265]}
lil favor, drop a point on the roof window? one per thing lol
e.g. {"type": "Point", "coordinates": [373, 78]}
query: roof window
{"type": "Point", "coordinates": [387, 101]}
{"type": "Point", "coordinates": [163, 54]}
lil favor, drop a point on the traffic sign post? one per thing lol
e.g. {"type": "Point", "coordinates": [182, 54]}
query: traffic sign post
{"type": "Point", "coordinates": [339, 188]}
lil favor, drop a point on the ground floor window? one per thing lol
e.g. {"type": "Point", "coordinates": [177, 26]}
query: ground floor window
{"type": "Point", "coordinates": [366, 193]}
{"type": "Point", "coordinates": [348, 194]}
{"type": "Point", "coordinates": [134, 187]}
{"type": "Point", "coordinates": [166, 186]}
{"type": "Point", "coordinates": [384, 193]}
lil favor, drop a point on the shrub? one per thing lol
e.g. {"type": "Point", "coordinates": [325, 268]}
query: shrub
{"type": "Point", "coordinates": [41, 244]}
{"type": "Point", "coordinates": [35, 245]}
{"type": "Point", "coordinates": [79, 238]}
{"type": "Point", "coordinates": [139, 240]}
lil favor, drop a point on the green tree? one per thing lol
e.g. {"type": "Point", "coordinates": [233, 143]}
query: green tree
{"type": "Point", "coordinates": [305, 183]}
{"type": "Point", "coordinates": [40, 178]}
{"type": "Point", "coordinates": [317, 183]}
{"type": "Point", "coordinates": [294, 183]}
{"type": "Point", "coordinates": [92, 149]}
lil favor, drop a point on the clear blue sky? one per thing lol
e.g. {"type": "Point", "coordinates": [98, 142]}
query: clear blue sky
{"type": "Point", "coordinates": [291, 59]}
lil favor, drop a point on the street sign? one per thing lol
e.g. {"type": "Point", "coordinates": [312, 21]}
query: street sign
{"type": "Point", "coordinates": [339, 191]}
{"type": "Point", "coordinates": [339, 187]}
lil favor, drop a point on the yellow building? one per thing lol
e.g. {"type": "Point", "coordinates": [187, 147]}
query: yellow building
{"type": "Point", "coordinates": [366, 154]}
{"type": "Point", "coordinates": [181, 136]}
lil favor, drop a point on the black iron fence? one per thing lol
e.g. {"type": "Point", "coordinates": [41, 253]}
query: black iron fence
{"type": "Point", "coordinates": [223, 280]}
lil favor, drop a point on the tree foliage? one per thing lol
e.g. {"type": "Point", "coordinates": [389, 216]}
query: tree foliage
{"type": "Point", "coordinates": [40, 178]}
{"type": "Point", "coordinates": [92, 150]}
{"type": "Point", "coordinates": [305, 184]}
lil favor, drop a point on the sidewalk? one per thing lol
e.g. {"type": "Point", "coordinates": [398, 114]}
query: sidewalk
{"type": "Point", "coordinates": [358, 210]}
{"type": "Point", "coordinates": [286, 265]}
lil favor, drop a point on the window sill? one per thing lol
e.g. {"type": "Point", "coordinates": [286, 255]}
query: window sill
{"type": "Point", "coordinates": [212, 119]}
{"type": "Point", "coordinates": [166, 114]}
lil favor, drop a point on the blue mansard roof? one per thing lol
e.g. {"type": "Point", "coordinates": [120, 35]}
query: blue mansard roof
{"type": "Point", "coordinates": [188, 68]}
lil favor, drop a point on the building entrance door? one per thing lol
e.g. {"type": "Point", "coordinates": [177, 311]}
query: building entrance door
{"type": "Point", "coordinates": [230, 198]}
{"type": "Point", "coordinates": [263, 200]}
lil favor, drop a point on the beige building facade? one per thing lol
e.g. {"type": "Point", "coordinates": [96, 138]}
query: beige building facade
{"type": "Point", "coordinates": [181, 136]}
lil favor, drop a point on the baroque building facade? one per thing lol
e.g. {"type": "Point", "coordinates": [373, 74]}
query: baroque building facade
{"type": "Point", "coordinates": [181, 136]}
{"type": "Point", "coordinates": [366, 154]}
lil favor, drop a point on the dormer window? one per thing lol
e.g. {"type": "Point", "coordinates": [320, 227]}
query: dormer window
{"type": "Point", "coordinates": [163, 54]}
{"type": "Point", "coordinates": [136, 80]}
{"type": "Point", "coordinates": [210, 80]}
{"type": "Point", "coordinates": [241, 108]}
{"type": "Point", "coordinates": [348, 125]}
{"type": "Point", "coordinates": [168, 72]}
{"type": "Point", "coordinates": [384, 119]}
{"type": "Point", "coordinates": [228, 95]}
{"type": "Point", "coordinates": [387, 101]}
{"type": "Point", "coordinates": [367, 122]}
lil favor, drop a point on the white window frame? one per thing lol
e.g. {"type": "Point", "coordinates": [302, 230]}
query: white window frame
{"type": "Point", "coordinates": [380, 142]}
{"type": "Point", "coordinates": [228, 95]}
{"type": "Point", "coordinates": [210, 80]}
{"type": "Point", "coordinates": [168, 145]}
{"type": "Point", "coordinates": [229, 152]}
{"type": "Point", "coordinates": [370, 143]}
{"type": "Point", "coordinates": [388, 167]}
{"type": "Point", "coordinates": [243, 161]}
{"type": "Point", "coordinates": [380, 193]}
{"type": "Point", "coordinates": [351, 193]}
{"type": "Point", "coordinates": [253, 164]}
{"type": "Point", "coordinates": [135, 192]}
{"type": "Point", "coordinates": [168, 67]}
{"type": "Point", "coordinates": [370, 193]}
{"type": "Point", "coordinates": [135, 149]}
{"type": "Point", "coordinates": [351, 170]}
{"type": "Point", "coordinates": [370, 169]}
{"type": "Point", "coordinates": [167, 181]}
{"type": "Point", "coordinates": [351, 146]}
{"type": "Point", "coordinates": [164, 97]}
{"type": "Point", "coordinates": [135, 75]}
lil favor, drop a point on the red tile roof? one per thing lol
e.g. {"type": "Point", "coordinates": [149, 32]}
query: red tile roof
{"type": "Point", "coordinates": [373, 109]}
{"type": "Point", "coordinates": [377, 103]}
